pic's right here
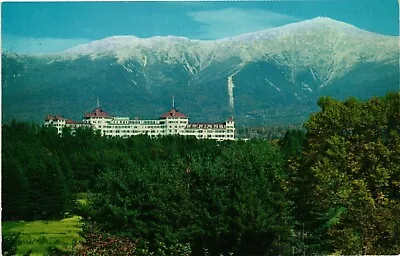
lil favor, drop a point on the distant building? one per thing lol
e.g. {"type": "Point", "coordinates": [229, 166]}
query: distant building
{"type": "Point", "coordinates": [60, 122]}
{"type": "Point", "coordinates": [172, 122]}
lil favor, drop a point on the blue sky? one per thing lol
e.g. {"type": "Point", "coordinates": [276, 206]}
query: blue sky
{"type": "Point", "coordinates": [56, 26]}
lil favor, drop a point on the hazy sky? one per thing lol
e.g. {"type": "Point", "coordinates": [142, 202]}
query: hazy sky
{"type": "Point", "coordinates": [56, 26]}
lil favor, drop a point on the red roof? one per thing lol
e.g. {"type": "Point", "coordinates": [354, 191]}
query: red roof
{"type": "Point", "coordinates": [49, 117]}
{"type": "Point", "coordinates": [173, 113]}
{"type": "Point", "coordinates": [70, 121]}
{"type": "Point", "coordinates": [58, 117]}
{"type": "Point", "coordinates": [98, 112]}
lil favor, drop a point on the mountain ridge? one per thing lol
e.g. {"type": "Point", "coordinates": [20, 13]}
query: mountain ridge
{"type": "Point", "coordinates": [277, 76]}
{"type": "Point", "coordinates": [288, 28]}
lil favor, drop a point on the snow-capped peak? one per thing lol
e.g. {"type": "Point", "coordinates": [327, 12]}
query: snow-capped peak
{"type": "Point", "coordinates": [315, 33]}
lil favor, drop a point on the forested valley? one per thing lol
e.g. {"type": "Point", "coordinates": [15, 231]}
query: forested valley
{"type": "Point", "coordinates": [331, 187]}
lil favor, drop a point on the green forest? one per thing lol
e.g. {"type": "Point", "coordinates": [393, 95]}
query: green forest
{"type": "Point", "coordinates": [332, 186]}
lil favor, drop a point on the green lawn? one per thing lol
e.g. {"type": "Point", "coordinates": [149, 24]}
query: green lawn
{"type": "Point", "coordinates": [37, 236]}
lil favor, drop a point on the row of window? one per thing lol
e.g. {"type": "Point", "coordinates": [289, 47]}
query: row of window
{"type": "Point", "coordinates": [221, 137]}
{"type": "Point", "coordinates": [134, 131]}
{"type": "Point", "coordinates": [137, 122]}
{"type": "Point", "coordinates": [134, 126]}
{"type": "Point", "coordinates": [96, 122]}
{"type": "Point", "coordinates": [178, 122]}
{"type": "Point", "coordinates": [209, 131]}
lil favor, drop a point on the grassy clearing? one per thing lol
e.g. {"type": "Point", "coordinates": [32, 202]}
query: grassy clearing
{"type": "Point", "coordinates": [37, 236]}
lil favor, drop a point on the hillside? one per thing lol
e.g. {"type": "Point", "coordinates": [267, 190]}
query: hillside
{"type": "Point", "coordinates": [278, 74]}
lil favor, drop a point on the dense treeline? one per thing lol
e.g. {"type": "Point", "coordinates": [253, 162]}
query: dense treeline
{"type": "Point", "coordinates": [266, 132]}
{"type": "Point", "coordinates": [331, 188]}
{"type": "Point", "coordinates": [170, 190]}
{"type": "Point", "coordinates": [35, 184]}
{"type": "Point", "coordinates": [346, 183]}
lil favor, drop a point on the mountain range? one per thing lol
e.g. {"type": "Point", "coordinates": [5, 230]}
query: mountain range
{"type": "Point", "coordinates": [268, 77]}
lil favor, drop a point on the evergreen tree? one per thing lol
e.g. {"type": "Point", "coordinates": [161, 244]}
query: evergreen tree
{"type": "Point", "coordinates": [347, 177]}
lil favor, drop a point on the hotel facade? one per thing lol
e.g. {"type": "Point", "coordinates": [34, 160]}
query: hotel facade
{"type": "Point", "coordinates": [172, 122]}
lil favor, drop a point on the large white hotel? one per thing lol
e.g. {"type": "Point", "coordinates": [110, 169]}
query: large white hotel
{"type": "Point", "coordinates": [172, 122]}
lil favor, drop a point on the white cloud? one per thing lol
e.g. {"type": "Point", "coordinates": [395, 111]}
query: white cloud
{"type": "Point", "coordinates": [39, 45]}
{"type": "Point", "coordinates": [234, 21]}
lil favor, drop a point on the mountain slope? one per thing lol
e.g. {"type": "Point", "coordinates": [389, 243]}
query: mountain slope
{"type": "Point", "coordinates": [277, 74]}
